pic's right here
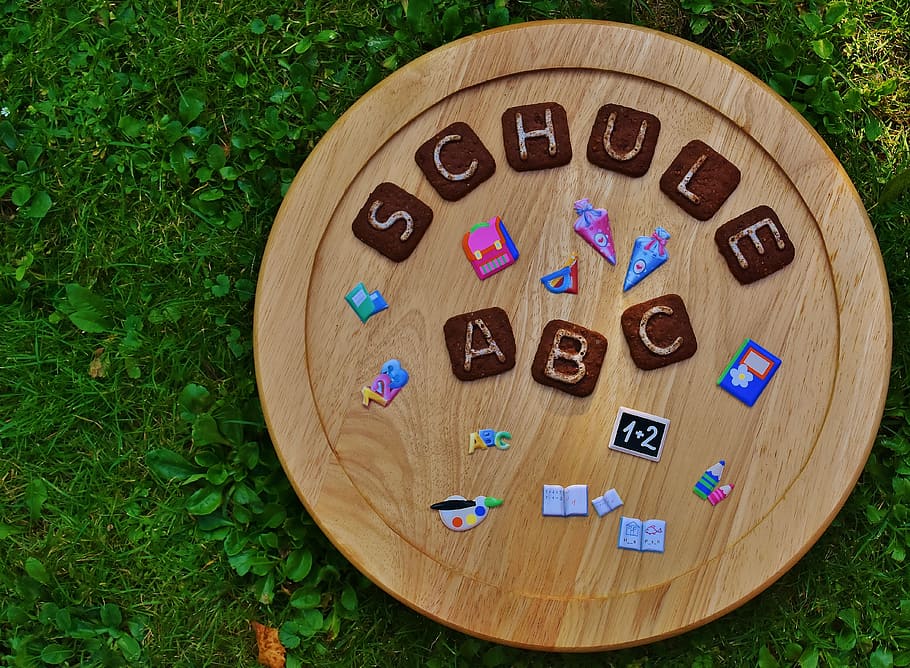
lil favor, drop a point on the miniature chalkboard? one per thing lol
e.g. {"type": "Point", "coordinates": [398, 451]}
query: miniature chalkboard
{"type": "Point", "coordinates": [640, 434]}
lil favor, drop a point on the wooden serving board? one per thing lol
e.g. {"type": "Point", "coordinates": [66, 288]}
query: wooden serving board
{"type": "Point", "coordinates": [369, 475]}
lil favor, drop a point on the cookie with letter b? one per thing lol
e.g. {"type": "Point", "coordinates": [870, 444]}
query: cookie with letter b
{"type": "Point", "coordinates": [569, 357]}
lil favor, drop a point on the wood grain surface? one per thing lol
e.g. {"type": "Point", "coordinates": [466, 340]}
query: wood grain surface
{"type": "Point", "coordinates": [368, 476]}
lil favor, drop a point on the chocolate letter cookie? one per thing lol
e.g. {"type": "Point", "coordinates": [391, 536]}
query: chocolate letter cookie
{"type": "Point", "coordinates": [455, 161]}
{"type": "Point", "coordinates": [480, 343]}
{"type": "Point", "coordinates": [392, 221]}
{"type": "Point", "coordinates": [623, 140]}
{"type": "Point", "coordinates": [658, 332]}
{"type": "Point", "coordinates": [569, 357]}
{"type": "Point", "coordinates": [700, 180]}
{"type": "Point", "coordinates": [536, 136]}
{"type": "Point", "coordinates": [754, 244]}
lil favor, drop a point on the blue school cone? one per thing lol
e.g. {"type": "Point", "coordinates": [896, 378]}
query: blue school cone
{"type": "Point", "coordinates": [648, 254]}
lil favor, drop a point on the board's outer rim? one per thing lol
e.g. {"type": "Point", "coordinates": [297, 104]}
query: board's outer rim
{"type": "Point", "coordinates": [879, 333]}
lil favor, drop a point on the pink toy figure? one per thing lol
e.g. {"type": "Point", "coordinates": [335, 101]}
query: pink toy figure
{"type": "Point", "coordinates": [593, 225]}
{"type": "Point", "coordinates": [489, 248]}
{"type": "Point", "coordinates": [720, 494]}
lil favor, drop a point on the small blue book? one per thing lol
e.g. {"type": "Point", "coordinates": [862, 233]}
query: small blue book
{"type": "Point", "coordinates": [749, 372]}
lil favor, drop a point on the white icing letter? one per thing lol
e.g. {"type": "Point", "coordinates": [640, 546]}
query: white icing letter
{"type": "Point", "coordinates": [627, 155]}
{"type": "Point", "coordinates": [643, 333]}
{"type": "Point", "coordinates": [492, 347]}
{"type": "Point", "coordinates": [391, 220]}
{"type": "Point", "coordinates": [683, 185]}
{"type": "Point", "coordinates": [752, 233]}
{"type": "Point", "coordinates": [446, 174]}
{"type": "Point", "coordinates": [558, 353]}
{"type": "Point", "coordinates": [547, 132]}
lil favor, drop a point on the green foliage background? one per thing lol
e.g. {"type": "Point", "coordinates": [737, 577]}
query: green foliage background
{"type": "Point", "coordinates": [144, 149]}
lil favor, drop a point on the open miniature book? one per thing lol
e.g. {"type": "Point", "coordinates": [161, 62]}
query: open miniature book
{"type": "Point", "coordinates": [561, 501]}
{"type": "Point", "coordinates": [647, 536]}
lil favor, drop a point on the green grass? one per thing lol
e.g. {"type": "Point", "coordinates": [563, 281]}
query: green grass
{"type": "Point", "coordinates": [144, 150]}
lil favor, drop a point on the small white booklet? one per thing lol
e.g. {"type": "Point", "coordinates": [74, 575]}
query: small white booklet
{"type": "Point", "coordinates": [561, 501]}
{"type": "Point", "coordinates": [647, 536]}
{"type": "Point", "coordinates": [607, 503]}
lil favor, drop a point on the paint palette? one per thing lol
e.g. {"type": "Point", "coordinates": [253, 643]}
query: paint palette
{"type": "Point", "coordinates": [369, 476]}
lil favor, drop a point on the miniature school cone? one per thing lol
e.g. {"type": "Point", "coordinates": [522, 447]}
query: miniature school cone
{"type": "Point", "coordinates": [720, 494]}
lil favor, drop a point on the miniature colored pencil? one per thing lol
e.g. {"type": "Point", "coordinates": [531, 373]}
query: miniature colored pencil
{"type": "Point", "coordinates": [709, 480]}
{"type": "Point", "coordinates": [720, 494]}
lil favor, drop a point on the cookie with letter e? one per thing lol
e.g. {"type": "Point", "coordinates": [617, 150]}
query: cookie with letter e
{"type": "Point", "coordinates": [392, 221]}
{"type": "Point", "coordinates": [455, 161]}
{"type": "Point", "coordinates": [480, 343]}
{"type": "Point", "coordinates": [700, 180]}
{"type": "Point", "coordinates": [659, 332]}
{"type": "Point", "coordinates": [754, 244]}
{"type": "Point", "coordinates": [569, 357]}
{"type": "Point", "coordinates": [623, 140]}
{"type": "Point", "coordinates": [536, 136]}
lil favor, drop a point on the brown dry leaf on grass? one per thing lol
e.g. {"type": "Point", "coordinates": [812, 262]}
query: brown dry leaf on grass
{"type": "Point", "coordinates": [271, 651]}
{"type": "Point", "coordinates": [97, 368]}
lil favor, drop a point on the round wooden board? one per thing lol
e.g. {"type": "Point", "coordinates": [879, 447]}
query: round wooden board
{"type": "Point", "coordinates": [369, 475]}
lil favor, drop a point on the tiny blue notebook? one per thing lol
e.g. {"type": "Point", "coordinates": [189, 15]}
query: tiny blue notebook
{"type": "Point", "coordinates": [749, 372]}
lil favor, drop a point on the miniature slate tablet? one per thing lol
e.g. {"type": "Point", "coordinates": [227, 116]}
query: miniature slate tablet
{"type": "Point", "coordinates": [623, 140]}
{"type": "Point", "coordinates": [536, 136]}
{"type": "Point", "coordinates": [480, 343]}
{"type": "Point", "coordinates": [700, 180]}
{"type": "Point", "coordinates": [659, 332]}
{"type": "Point", "coordinates": [455, 161]}
{"type": "Point", "coordinates": [569, 357]}
{"type": "Point", "coordinates": [640, 434]}
{"type": "Point", "coordinates": [754, 244]}
{"type": "Point", "coordinates": [392, 221]}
